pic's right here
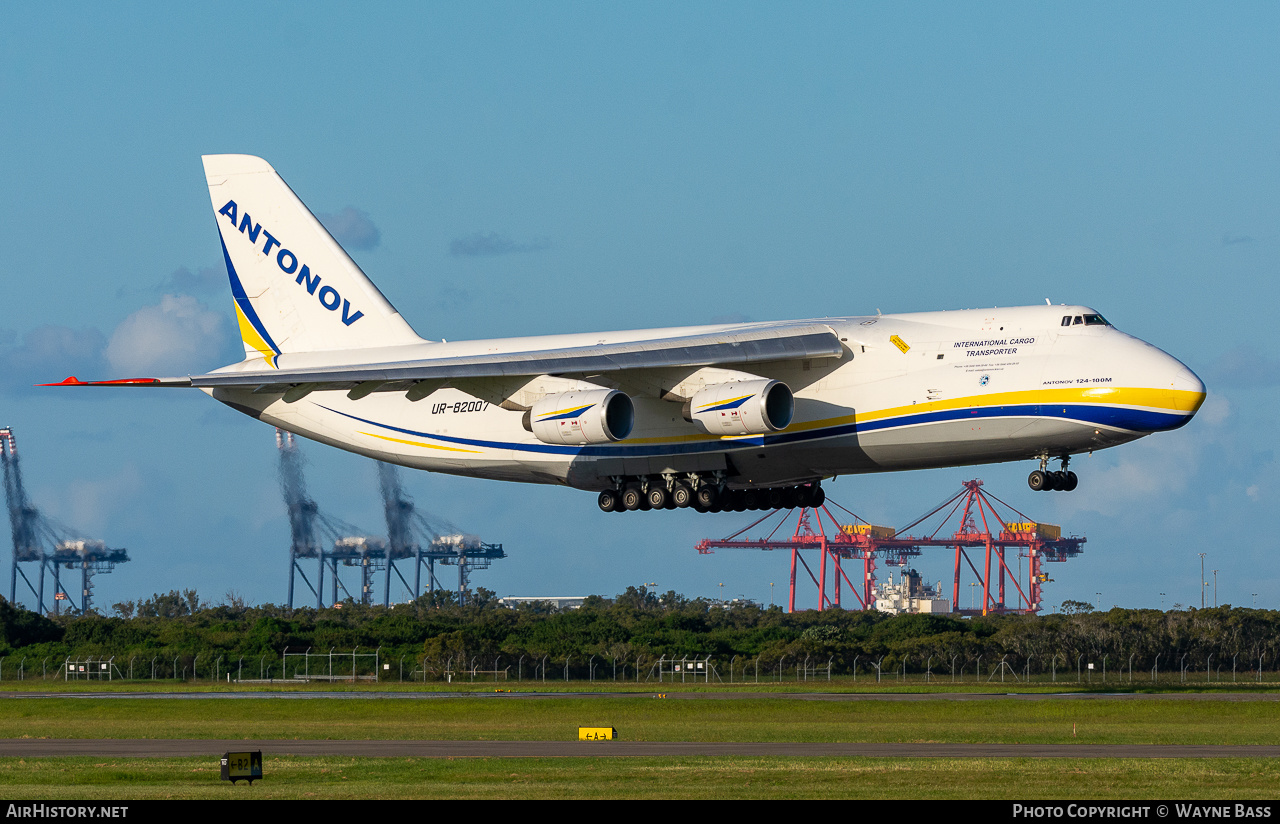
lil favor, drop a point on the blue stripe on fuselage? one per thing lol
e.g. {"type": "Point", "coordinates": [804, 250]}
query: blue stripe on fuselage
{"type": "Point", "coordinates": [1134, 420]}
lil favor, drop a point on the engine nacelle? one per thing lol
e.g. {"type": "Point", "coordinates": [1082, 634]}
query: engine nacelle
{"type": "Point", "coordinates": [581, 417]}
{"type": "Point", "coordinates": [742, 408]}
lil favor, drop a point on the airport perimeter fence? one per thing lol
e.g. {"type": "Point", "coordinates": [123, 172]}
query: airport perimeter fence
{"type": "Point", "coordinates": [359, 666]}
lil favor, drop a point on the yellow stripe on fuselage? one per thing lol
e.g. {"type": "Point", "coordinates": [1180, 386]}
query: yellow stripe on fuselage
{"type": "Point", "coordinates": [422, 444]}
{"type": "Point", "coordinates": [1166, 399]}
{"type": "Point", "coordinates": [1173, 400]}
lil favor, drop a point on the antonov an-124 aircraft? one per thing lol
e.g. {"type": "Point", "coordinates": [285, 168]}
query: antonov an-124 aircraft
{"type": "Point", "coordinates": [720, 417]}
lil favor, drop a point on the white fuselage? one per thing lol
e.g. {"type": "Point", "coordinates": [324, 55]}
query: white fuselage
{"type": "Point", "coordinates": [909, 391]}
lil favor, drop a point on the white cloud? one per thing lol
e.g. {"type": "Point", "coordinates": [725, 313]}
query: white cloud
{"type": "Point", "coordinates": [1214, 411]}
{"type": "Point", "coordinates": [1245, 366]}
{"type": "Point", "coordinates": [1144, 473]}
{"type": "Point", "coordinates": [87, 506]}
{"type": "Point", "coordinates": [50, 353]}
{"type": "Point", "coordinates": [179, 335]}
{"type": "Point", "coordinates": [1149, 476]}
{"type": "Point", "coordinates": [352, 228]}
{"type": "Point", "coordinates": [483, 244]}
{"type": "Point", "coordinates": [206, 280]}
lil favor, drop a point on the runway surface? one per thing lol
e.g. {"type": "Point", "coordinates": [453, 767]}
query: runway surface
{"type": "Point", "coordinates": [163, 748]}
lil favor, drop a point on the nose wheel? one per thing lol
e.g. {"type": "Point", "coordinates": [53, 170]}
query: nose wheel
{"type": "Point", "coordinates": [1043, 480]}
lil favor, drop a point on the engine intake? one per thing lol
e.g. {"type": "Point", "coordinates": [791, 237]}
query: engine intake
{"type": "Point", "coordinates": [742, 408]}
{"type": "Point", "coordinates": [581, 417]}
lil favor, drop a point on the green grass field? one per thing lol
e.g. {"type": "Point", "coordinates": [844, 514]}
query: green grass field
{"type": "Point", "coordinates": [107, 780]}
{"type": "Point", "coordinates": [642, 717]}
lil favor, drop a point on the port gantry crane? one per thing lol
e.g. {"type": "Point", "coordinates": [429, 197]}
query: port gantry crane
{"type": "Point", "coordinates": [39, 540]}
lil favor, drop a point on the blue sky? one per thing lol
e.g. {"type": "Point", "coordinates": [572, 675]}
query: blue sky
{"type": "Point", "coordinates": [508, 169]}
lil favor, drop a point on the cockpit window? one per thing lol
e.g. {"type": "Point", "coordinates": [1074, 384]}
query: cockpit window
{"type": "Point", "coordinates": [1084, 320]}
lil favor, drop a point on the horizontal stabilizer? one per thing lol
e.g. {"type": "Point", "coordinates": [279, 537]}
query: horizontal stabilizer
{"type": "Point", "coordinates": [74, 381]}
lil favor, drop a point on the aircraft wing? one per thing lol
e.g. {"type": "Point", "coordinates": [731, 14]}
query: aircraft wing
{"type": "Point", "coordinates": [735, 347]}
{"type": "Point", "coordinates": [739, 347]}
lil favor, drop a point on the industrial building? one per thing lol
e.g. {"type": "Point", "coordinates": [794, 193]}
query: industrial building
{"type": "Point", "coordinates": [557, 601]}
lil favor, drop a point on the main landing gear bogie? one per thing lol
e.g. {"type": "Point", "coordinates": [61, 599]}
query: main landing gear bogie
{"type": "Point", "coordinates": [1043, 480]}
{"type": "Point", "coordinates": [705, 495]}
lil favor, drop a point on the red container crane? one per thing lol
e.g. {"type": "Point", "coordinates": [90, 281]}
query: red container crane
{"type": "Point", "coordinates": [980, 525]}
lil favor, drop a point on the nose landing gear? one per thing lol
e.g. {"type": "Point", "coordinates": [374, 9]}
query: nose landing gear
{"type": "Point", "coordinates": [1042, 480]}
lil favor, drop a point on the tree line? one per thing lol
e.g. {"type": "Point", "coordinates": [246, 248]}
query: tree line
{"type": "Point", "coordinates": [437, 633]}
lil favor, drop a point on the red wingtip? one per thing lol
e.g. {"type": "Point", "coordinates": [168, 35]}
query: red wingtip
{"type": "Point", "coordinates": [71, 381]}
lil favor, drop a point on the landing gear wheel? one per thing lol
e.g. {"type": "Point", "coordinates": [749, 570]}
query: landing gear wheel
{"type": "Point", "coordinates": [681, 496]}
{"type": "Point", "coordinates": [751, 497]}
{"type": "Point", "coordinates": [774, 498]}
{"type": "Point", "coordinates": [632, 498]}
{"type": "Point", "coordinates": [1071, 482]}
{"type": "Point", "coordinates": [609, 501]}
{"type": "Point", "coordinates": [1038, 480]}
{"type": "Point", "coordinates": [705, 497]}
{"type": "Point", "coordinates": [808, 495]}
{"type": "Point", "coordinates": [658, 497]}
{"type": "Point", "coordinates": [819, 497]}
{"type": "Point", "coordinates": [790, 497]}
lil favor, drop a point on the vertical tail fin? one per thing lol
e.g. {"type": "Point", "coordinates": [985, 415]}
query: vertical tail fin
{"type": "Point", "coordinates": [295, 288]}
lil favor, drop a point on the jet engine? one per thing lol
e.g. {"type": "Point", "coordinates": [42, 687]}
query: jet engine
{"type": "Point", "coordinates": [581, 417]}
{"type": "Point", "coordinates": [742, 408]}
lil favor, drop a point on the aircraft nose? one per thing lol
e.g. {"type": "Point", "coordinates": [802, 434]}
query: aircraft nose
{"type": "Point", "coordinates": [1186, 389]}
